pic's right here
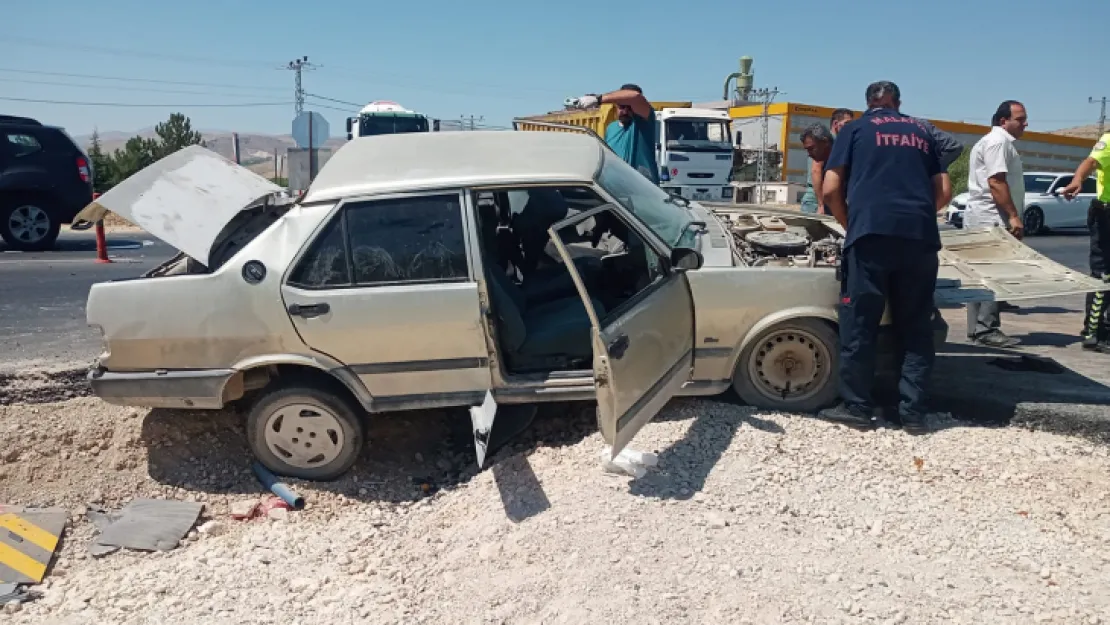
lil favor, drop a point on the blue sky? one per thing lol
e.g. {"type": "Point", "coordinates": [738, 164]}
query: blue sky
{"type": "Point", "coordinates": [955, 59]}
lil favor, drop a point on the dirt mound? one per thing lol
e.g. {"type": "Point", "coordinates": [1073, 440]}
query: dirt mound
{"type": "Point", "coordinates": [38, 386]}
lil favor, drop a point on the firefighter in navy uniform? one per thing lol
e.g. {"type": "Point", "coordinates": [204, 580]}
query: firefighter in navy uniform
{"type": "Point", "coordinates": [884, 184]}
{"type": "Point", "coordinates": [1096, 333]}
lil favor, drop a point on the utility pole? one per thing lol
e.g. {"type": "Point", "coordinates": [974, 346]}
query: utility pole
{"type": "Point", "coordinates": [469, 123]}
{"type": "Point", "coordinates": [1102, 115]}
{"type": "Point", "coordinates": [765, 96]}
{"type": "Point", "coordinates": [298, 66]}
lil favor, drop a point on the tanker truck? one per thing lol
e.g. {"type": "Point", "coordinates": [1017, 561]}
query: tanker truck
{"type": "Point", "coordinates": [693, 145]}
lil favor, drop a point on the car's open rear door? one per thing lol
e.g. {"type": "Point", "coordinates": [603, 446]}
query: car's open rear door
{"type": "Point", "coordinates": [984, 264]}
{"type": "Point", "coordinates": [643, 348]}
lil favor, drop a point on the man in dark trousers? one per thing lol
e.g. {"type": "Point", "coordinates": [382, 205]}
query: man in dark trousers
{"type": "Point", "coordinates": [1096, 334]}
{"type": "Point", "coordinates": [889, 166]}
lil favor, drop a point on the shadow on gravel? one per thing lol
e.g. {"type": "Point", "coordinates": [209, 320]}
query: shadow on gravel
{"type": "Point", "coordinates": [685, 465]}
{"type": "Point", "coordinates": [408, 455]}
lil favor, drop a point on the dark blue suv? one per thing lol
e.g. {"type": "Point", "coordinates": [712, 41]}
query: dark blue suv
{"type": "Point", "coordinates": [45, 180]}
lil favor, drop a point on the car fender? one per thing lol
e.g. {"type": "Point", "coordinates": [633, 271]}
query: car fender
{"type": "Point", "coordinates": [779, 316]}
{"type": "Point", "coordinates": [319, 362]}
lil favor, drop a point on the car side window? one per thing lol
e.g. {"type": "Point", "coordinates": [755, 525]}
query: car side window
{"type": "Point", "coordinates": [22, 145]}
{"type": "Point", "coordinates": [1090, 185]}
{"type": "Point", "coordinates": [414, 239]}
{"type": "Point", "coordinates": [325, 264]}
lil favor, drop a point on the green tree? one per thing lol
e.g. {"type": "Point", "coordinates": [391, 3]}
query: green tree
{"type": "Point", "coordinates": [104, 175]}
{"type": "Point", "coordinates": [136, 154]}
{"type": "Point", "coordinates": [174, 134]}
{"type": "Point", "coordinates": [958, 170]}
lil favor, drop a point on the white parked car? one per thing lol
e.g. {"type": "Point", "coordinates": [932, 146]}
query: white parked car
{"type": "Point", "coordinates": [1045, 208]}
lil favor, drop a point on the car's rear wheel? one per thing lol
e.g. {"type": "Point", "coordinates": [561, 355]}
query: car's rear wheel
{"type": "Point", "coordinates": [1033, 220]}
{"type": "Point", "coordinates": [790, 366]}
{"type": "Point", "coordinates": [305, 432]}
{"type": "Point", "coordinates": [27, 224]}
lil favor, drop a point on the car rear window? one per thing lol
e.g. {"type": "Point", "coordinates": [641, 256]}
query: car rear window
{"type": "Point", "coordinates": [22, 144]}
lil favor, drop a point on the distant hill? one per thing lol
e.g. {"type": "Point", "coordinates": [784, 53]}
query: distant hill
{"type": "Point", "coordinates": [256, 151]}
{"type": "Point", "coordinates": [1085, 132]}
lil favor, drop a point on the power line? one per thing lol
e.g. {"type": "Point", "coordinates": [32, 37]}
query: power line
{"type": "Point", "coordinates": [145, 80]}
{"type": "Point", "coordinates": [320, 97]}
{"type": "Point", "coordinates": [133, 105]}
{"type": "Point", "coordinates": [132, 53]}
{"type": "Point", "coordinates": [123, 88]}
{"type": "Point", "coordinates": [298, 66]}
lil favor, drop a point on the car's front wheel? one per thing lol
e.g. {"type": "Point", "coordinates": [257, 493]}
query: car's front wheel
{"type": "Point", "coordinates": [305, 432]}
{"type": "Point", "coordinates": [790, 367]}
{"type": "Point", "coordinates": [1033, 220]}
{"type": "Point", "coordinates": [27, 224]}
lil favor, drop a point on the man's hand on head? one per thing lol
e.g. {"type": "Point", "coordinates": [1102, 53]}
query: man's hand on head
{"type": "Point", "coordinates": [589, 101]}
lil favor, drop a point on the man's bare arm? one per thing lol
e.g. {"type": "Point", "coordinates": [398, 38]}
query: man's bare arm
{"type": "Point", "coordinates": [944, 191]}
{"type": "Point", "coordinates": [1000, 193]}
{"type": "Point", "coordinates": [1085, 169]}
{"type": "Point", "coordinates": [816, 174]}
{"type": "Point", "coordinates": [640, 105]}
{"type": "Point", "coordinates": [832, 191]}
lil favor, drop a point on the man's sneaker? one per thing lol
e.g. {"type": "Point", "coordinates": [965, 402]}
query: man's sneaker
{"type": "Point", "coordinates": [848, 416]}
{"type": "Point", "coordinates": [914, 424]}
{"type": "Point", "coordinates": [1091, 342]}
{"type": "Point", "coordinates": [1102, 347]}
{"type": "Point", "coordinates": [995, 338]}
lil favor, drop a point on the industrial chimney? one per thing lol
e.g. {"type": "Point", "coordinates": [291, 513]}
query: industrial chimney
{"type": "Point", "coordinates": [745, 80]}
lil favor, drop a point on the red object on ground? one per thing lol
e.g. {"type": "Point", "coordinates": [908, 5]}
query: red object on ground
{"type": "Point", "coordinates": [101, 244]}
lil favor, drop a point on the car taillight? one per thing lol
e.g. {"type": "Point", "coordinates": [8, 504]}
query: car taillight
{"type": "Point", "coordinates": [83, 169]}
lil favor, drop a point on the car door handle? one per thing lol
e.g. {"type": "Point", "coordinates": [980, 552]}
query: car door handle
{"type": "Point", "coordinates": [309, 310]}
{"type": "Point", "coordinates": [618, 346]}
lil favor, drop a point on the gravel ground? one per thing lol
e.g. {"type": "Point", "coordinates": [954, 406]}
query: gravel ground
{"type": "Point", "coordinates": [749, 518]}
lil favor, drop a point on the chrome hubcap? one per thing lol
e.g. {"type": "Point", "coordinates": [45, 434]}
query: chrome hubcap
{"type": "Point", "coordinates": [304, 435]}
{"type": "Point", "coordinates": [790, 365]}
{"type": "Point", "coordinates": [29, 224]}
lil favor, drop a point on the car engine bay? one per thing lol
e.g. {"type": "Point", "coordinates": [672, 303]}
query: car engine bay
{"type": "Point", "coordinates": [766, 240]}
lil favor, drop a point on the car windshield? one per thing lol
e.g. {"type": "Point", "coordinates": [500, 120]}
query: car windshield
{"type": "Point", "coordinates": [1038, 184]}
{"type": "Point", "coordinates": [391, 124]}
{"type": "Point", "coordinates": [654, 207]}
{"type": "Point", "coordinates": [694, 134]}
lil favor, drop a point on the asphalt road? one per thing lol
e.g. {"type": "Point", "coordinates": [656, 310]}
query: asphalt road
{"type": "Point", "coordinates": [42, 295]}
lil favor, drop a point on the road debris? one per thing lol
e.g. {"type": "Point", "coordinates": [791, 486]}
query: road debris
{"type": "Point", "coordinates": [143, 525]}
{"type": "Point", "coordinates": [28, 538]}
{"type": "Point", "coordinates": [274, 485]}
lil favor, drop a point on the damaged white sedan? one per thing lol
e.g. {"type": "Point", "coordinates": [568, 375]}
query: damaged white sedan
{"type": "Point", "coordinates": [479, 269]}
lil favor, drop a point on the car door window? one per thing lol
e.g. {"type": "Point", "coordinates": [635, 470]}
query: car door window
{"type": "Point", "coordinates": [417, 239]}
{"type": "Point", "coordinates": [325, 264]}
{"type": "Point", "coordinates": [22, 144]}
{"type": "Point", "coordinates": [1090, 185]}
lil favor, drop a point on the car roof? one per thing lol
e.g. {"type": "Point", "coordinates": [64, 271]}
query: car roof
{"type": "Point", "coordinates": [437, 160]}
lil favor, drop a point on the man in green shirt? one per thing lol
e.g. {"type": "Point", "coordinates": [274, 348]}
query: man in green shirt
{"type": "Point", "coordinates": [1096, 333]}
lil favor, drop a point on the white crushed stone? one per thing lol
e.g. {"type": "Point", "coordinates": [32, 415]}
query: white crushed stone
{"type": "Point", "coordinates": [749, 517]}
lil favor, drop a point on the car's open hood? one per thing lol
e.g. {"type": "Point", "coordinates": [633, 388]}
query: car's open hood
{"type": "Point", "coordinates": [186, 199]}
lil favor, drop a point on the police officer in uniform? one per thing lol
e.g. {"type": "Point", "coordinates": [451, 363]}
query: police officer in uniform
{"type": "Point", "coordinates": [1096, 334]}
{"type": "Point", "coordinates": [889, 166]}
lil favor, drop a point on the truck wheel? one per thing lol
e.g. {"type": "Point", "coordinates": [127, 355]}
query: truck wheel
{"type": "Point", "coordinates": [305, 432]}
{"type": "Point", "coordinates": [790, 367]}
{"type": "Point", "coordinates": [27, 224]}
{"type": "Point", "coordinates": [1033, 220]}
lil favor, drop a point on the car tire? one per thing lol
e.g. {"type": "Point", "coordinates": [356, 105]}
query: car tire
{"type": "Point", "coordinates": [28, 223]}
{"type": "Point", "coordinates": [285, 423]}
{"type": "Point", "coordinates": [762, 373]}
{"type": "Point", "coordinates": [1035, 216]}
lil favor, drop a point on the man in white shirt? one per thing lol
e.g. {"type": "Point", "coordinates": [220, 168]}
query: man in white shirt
{"type": "Point", "coordinates": [996, 185]}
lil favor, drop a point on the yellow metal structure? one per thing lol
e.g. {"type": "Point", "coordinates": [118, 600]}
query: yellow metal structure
{"type": "Point", "coordinates": [597, 119]}
{"type": "Point", "coordinates": [28, 539]}
{"type": "Point", "coordinates": [1040, 151]}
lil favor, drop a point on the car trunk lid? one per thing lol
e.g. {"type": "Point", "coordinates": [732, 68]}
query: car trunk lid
{"type": "Point", "coordinates": [185, 199]}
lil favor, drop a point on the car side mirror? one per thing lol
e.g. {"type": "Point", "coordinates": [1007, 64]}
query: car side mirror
{"type": "Point", "coordinates": [686, 259]}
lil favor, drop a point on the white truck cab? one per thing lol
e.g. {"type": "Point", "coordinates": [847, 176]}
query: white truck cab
{"type": "Point", "coordinates": [384, 117]}
{"type": "Point", "coordinates": [694, 152]}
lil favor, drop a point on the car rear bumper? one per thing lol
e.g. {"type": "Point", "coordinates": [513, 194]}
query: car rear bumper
{"type": "Point", "coordinates": [199, 388]}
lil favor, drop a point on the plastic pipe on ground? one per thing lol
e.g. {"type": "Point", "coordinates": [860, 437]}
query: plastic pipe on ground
{"type": "Point", "coordinates": [270, 481]}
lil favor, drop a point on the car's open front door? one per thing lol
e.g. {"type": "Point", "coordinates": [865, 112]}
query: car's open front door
{"type": "Point", "coordinates": [642, 317]}
{"type": "Point", "coordinates": [989, 263]}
